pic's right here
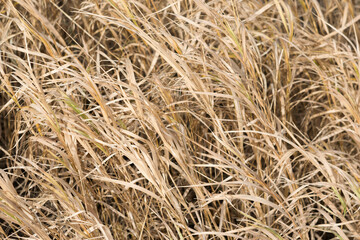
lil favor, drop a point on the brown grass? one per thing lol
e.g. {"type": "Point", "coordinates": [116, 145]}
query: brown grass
{"type": "Point", "coordinates": [180, 119]}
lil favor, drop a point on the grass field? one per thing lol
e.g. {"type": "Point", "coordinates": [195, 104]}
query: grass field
{"type": "Point", "coordinates": [179, 119]}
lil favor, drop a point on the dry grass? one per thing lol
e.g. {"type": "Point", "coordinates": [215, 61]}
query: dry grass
{"type": "Point", "coordinates": [180, 119]}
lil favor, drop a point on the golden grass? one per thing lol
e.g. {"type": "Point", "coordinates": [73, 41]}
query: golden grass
{"type": "Point", "coordinates": [180, 119]}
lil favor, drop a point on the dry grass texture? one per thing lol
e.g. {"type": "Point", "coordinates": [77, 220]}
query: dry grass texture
{"type": "Point", "coordinates": [180, 119]}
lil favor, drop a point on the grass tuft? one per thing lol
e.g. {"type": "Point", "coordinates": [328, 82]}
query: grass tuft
{"type": "Point", "coordinates": [191, 119]}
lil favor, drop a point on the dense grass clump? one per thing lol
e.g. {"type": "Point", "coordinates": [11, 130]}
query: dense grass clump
{"type": "Point", "coordinates": [179, 119]}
